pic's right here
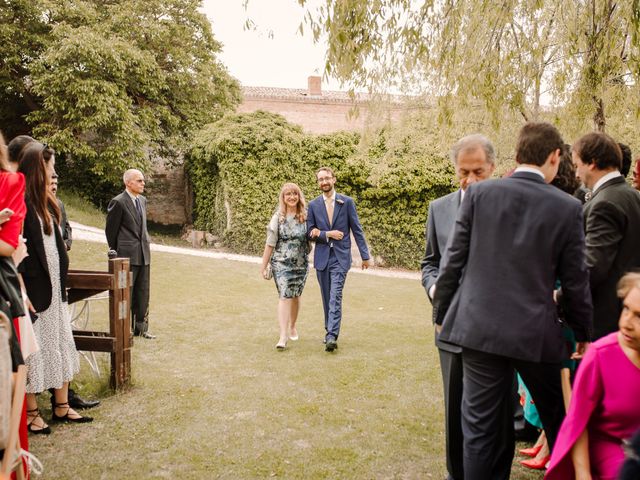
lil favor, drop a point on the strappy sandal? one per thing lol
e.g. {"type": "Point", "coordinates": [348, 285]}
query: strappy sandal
{"type": "Point", "coordinates": [66, 417]}
{"type": "Point", "coordinates": [42, 429]}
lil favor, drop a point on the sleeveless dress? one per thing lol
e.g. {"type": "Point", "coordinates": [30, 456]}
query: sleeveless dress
{"type": "Point", "coordinates": [289, 261]}
{"type": "Point", "coordinates": [57, 360]}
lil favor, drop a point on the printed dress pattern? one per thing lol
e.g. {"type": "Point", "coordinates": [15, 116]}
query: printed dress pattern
{"type": "Point", "coordinates": [289, 261]}
{"type": "Point", "coordinates": [57, 360]}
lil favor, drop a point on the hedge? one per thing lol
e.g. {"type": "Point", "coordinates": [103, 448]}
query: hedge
{"type": "Point", "coordinates": [238, 164]}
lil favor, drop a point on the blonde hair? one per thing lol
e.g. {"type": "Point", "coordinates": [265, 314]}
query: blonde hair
{"type": "Point", "coordinates": [627, 283]}
{"type": "Point", "coordinates": [301, 207]}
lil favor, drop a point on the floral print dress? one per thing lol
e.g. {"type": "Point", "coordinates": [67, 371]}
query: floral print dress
{"type": "Point", "coordinates": [289, 261]}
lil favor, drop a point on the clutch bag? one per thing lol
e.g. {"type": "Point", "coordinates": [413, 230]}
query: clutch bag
{"type": "Point", "coordinates": [269, 274]}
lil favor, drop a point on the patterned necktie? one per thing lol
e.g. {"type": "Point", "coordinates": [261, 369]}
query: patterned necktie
{"type": "Point", "coordinates": [329, 205]}
{"type": "Point", "coordinates": [138, 208]}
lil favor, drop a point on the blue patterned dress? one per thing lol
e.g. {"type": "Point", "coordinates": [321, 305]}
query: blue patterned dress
{"type": "Point", "coordinates": [289, 261]}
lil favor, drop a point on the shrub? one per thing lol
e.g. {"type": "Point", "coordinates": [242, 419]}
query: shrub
{"type": "Point", "coordinates": [238, 164]}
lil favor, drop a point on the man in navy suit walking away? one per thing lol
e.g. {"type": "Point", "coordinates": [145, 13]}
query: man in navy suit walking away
{"type": "Point", "coordinates": [331, 219]}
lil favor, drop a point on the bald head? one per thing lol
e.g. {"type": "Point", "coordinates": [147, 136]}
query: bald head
{"type": "Point", "coordinates": [134, 181]}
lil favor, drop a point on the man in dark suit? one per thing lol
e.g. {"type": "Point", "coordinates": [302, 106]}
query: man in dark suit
{"type": "Point", "coordinates": [513, 238]}
{"type": "Point", "coordinates": [611, 222]}
{"type": "Point", "coordinates": [126, 232]}
{"type": "Point", "coordinates": [474, 160]}
{"type": "Point", "coordinates": [331, 219]}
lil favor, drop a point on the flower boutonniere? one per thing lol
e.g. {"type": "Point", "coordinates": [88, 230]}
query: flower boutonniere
{"type": "Point", "coordinates": [339, 201]}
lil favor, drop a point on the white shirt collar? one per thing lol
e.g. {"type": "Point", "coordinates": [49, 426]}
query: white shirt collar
{"type": "Point", "coordinates": [332, 197]}
{"type": "Point", "coordinates": [604, 179]}
{"type": "Point", "coordinates": [462, 192]}
{"type": "Point", "coordinates": [523, 168]}
{"type": "Point", "coordinates": [132, 196]}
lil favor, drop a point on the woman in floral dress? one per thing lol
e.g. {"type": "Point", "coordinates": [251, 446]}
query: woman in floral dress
{"type": "Point", "coordinates": [286, 252]}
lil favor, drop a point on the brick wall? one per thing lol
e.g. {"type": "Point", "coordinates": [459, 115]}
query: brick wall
{"type": "Point", "coordinates": [315, 116]}
{"type": "Point", "coordinates": [166, 193]}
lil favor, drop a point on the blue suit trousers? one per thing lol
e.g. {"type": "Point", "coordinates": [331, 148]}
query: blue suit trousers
{"type": "Point", "coordinates": [331, 281]}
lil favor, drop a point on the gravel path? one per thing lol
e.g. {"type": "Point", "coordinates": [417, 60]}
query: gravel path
{"type": "Point", "coordinates": [92, 234]}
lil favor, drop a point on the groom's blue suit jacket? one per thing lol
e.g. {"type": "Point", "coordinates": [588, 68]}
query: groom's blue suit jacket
{"type": "Point", "coordinates": [345, 219]}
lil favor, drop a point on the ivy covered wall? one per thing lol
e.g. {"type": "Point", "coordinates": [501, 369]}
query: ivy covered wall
{"type": "Point", "coordinates": [238, 164]}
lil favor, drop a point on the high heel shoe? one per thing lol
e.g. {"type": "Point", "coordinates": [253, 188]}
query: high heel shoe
{"type": "Point", "coordinates": [66, 417]}
{"type": "Point", "coordinates": [35, 415]}
{"type": "Point", "coordinates": [536, 464]}
{"type": "Point", "coordinates": [530, 452]}
{"type": "Point", "coordinates": [280, 346]}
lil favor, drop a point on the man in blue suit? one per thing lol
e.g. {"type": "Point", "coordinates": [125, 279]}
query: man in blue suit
{"type": "Point", "coordinates": [331, 219]}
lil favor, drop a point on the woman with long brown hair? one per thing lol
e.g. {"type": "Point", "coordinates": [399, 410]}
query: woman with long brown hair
{"type": "Point", "coordinates": [286, 251]}
{"type": "Point", "coordinates": [44, 272]}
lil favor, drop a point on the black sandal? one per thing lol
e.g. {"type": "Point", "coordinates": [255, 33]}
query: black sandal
{"type": "Point", "coordinates": [66, 417]}
{"type": "Point", "coordinates": [34, 414]}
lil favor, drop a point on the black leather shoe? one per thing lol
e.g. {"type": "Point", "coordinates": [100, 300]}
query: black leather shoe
{"type": "Point", "coordinates": [331, 344]}
{"type": "Point", "coordinates": [147, 335]}
{"type": "Point", "coordinates": [77, 402]}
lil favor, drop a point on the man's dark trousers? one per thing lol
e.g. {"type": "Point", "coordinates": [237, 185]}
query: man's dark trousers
{"type": "Point", "coordinates": [331, 280]}
{"type": "Point", "coordinates": [140, 298]}
{"type": "Point", "coordinates": [486, 377]}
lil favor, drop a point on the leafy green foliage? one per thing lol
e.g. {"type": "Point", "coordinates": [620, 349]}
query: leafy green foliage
{"type": "Point", "coordinates": [238, 164]}
{"type": "Point", "coordinates": [111, 85]}
{"type": "Point", "coordinates": [581, 56]}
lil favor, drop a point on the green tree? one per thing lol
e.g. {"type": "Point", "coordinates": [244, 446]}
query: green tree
{"type": "Point", "coordinates": [579, 54]}
{"type": "Point", "coordinates": [113, 84]}
{"type": "Point", "coordinates": [23, 37]}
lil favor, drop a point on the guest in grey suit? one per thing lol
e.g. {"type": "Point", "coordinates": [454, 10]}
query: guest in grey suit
{"type": "Point", "coordinates": [126, 232]}
{"type": "Point", "coordinates": [474, 160]}
{"type": "Point", "coordinates": [612, 225]}
{"type": "Point", "coordinates": [513, 238]}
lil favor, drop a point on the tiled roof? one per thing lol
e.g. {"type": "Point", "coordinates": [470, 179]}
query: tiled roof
{"type": "Point", "coordinates": [302, 94]}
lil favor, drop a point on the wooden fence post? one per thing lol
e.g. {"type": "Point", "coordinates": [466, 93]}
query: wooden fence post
{"type": "Point", "coordinates": [118, 341]}
{"type": "Point", "coordinates": [120, 322]}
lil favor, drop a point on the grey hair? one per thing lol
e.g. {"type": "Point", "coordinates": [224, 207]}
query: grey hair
{"type": "Point", "coordinates": [127, 175]}
{"type": "Point", "coordinates": [471, 142]}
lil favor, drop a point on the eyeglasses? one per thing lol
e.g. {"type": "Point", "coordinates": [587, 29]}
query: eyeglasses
{"type": "Point", "coordinates": [324, 179]}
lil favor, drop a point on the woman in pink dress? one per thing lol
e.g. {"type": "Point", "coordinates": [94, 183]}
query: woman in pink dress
{"type": "Point", "coordinates": [604, 407]}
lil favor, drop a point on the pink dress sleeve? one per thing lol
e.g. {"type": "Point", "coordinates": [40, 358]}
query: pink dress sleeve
{"type": "Point", "coordinates": [12, 196]}
{"type": "Point", "coordinates": [587, 395]}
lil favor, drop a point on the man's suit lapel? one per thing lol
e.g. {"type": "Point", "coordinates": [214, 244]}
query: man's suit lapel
{"type": "Point", "coordinates": [339, 202]}
{"type": "Point", "coordinates": [607, 184]}
{"type": "Point", "coordinates": [454, 204]}
{"type": "Point", "coordinates": [128, 201]}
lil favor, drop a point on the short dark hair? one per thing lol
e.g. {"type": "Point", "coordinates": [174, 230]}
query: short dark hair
{"type": "Point", "coordinates": [600, 149]}
{"type": "Point", "coordinates": [17, 145]}
{"type": "Point", "coordinates": [326, 169]}
{"type": "Point", "coordinates": [536, 141]}
{"type": "Point", "coordinates": [626, 159]}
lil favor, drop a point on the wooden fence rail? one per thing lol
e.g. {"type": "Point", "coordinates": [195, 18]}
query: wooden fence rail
{"type": "Point", "coordinates": [83, 284]}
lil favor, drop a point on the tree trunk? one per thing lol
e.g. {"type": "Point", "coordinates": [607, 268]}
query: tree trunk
{"type": "Point", "coordinates": [599, 120]}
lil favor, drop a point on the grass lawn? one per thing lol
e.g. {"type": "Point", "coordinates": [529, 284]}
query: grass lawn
{"type": "Point", "coordinates": [212, 398]}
